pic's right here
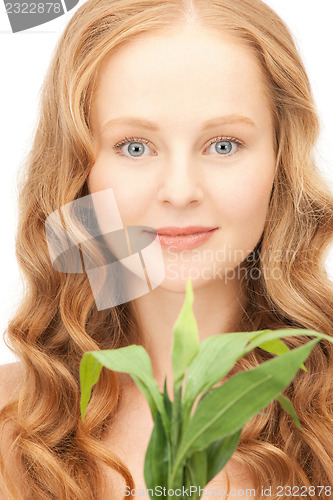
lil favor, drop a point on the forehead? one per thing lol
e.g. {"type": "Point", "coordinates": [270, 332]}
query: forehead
{"type": "Point", "coordinates": [193, 72]}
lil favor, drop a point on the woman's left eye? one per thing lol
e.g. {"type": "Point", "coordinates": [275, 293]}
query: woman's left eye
{"type": "Point", "coordinates": [225, 146]}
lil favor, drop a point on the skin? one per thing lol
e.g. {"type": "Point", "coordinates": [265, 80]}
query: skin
{"type": "Point", "coordinates": [179, 80]}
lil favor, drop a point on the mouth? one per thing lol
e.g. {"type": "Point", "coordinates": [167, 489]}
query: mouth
{"type": "Point", "coordinates": [184, 238]}
{"type": "Point", "coordinates": [183, 231]}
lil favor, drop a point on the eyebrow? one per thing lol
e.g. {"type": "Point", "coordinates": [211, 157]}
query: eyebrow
{"type": "Point", "coordinates": [149, 125]}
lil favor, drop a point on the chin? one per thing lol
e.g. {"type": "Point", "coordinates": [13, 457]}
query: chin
{"type": "Point", "coordinates": [178, 284]}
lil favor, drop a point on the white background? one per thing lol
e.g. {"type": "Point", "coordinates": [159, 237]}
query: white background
{"type": "Point", "coordinates": [24, 60]}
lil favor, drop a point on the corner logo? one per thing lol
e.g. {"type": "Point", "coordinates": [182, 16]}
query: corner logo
{"type": "Point", "coordinates": [87, 235]}
{"type": "Point", "coordinates": [23, 15]}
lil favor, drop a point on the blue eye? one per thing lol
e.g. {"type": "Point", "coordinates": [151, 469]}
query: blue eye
{"type": "Point", "coordinates": [135, 147]}
{"type": "Point", "coordinates": [226, 146]}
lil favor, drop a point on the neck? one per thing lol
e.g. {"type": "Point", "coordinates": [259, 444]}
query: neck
{"type": "Point", "coordinates": [216, 307]}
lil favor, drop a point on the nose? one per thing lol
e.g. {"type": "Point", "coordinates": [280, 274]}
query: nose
{"type": "Point", "coordinates": [181, 182]}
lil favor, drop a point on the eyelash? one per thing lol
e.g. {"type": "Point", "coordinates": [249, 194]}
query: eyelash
{"type": "Point", "coordinates": [117, 147]}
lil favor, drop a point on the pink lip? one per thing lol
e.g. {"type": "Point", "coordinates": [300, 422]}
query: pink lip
{"type": "Point", "coordinates": [186, 238]}
{"type": "Point", "coordinates": [179, 231]}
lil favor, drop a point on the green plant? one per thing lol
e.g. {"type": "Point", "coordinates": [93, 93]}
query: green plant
{"type": "Point", "coordinates": [188, 448]}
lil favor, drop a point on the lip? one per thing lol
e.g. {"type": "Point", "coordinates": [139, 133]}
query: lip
{"type": "Point", "coordinates": [185, 238]}
{"type": "Point", "coordinates": [180, 231]}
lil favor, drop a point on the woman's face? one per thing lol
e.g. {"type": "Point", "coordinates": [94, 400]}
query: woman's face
{"type": "Point", "coordinates": [194, 104]}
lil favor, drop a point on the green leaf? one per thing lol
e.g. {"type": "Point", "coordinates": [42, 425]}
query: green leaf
{"type": "Point", "coordinates": [176, 420]}
{"type": "Point", "coordinates": [228, 407]}
{"type": "Point", "coordinates": [288, 407]}
{"type": "Point", "coordinates": [157, 457]}
{"type": "Point", "coordinates": [185, 337]}
{"type": "Point", "coordinates": [284, 332]}
{"type": "Point", "coordinates": [146, 391]}
{"type": "Point", "coordinates": [219, 353]}
{"type": "Point", "coordinates": [131, 359]}
{"type": "Point", "coordinates": [187, 479]}
{"type": "Point", "coordinates": [167, 402]}
{"type": "Point", "coordinates": [276, 346]}
{"type": "Point", "coordinates": [288, 332]}
{"type": "Point", "coordinates": [89, 374]}
{"type": "Point", "coordinates": [219, 452]}
{"type": "Point", "coordinates": [216, 357]}
{"type": "Point", "coordinates": [196, 472]}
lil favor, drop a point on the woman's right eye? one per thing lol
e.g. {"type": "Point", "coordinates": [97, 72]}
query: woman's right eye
{"type": "Point", "coordinates": [132, 148]}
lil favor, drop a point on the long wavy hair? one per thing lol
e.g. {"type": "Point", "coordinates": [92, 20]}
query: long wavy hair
{"type": "Point", "coordinates": [57, 321]}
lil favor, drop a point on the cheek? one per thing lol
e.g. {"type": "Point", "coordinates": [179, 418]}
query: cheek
{"type": "Point", "coordinates": [251, 201]}
{"type": "Point", "coordinates": [243, 208]}
{"type": "Point", "coordinates": [246, 192]}
{"type": "Point", "coordinates": [130, 191]}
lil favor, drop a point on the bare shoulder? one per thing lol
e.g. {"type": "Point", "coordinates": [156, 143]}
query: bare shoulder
{"type": "Point", "coordinates": [241, 481]}
{"type": "Point", "coordinates": [11, 376]}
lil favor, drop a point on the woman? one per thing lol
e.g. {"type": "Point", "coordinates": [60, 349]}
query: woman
{"type": "Point", "coordinates": [231, 149]}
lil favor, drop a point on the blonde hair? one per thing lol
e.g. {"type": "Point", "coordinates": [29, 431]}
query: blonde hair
{"type": "Point", "coordinates": [58, 321]}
